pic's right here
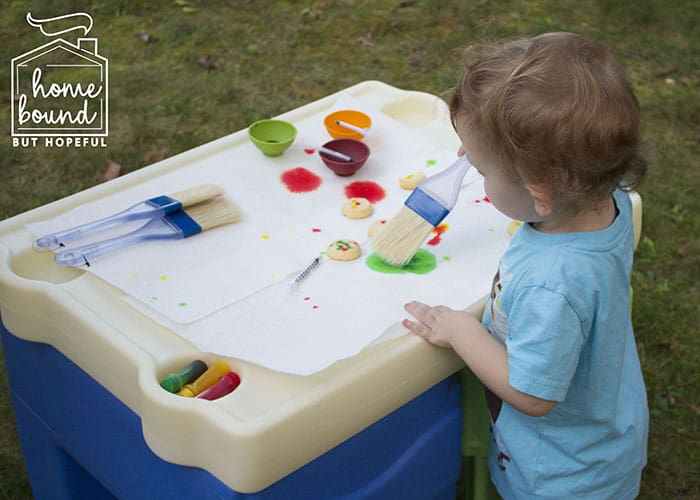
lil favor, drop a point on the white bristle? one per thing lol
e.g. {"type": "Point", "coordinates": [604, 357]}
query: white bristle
{"type": "Point", "coordinates": [197, 194]}
{"type": "Point", "coordinates": [399, 239]}
{"type": "Point", "coordinates": [214, 213]}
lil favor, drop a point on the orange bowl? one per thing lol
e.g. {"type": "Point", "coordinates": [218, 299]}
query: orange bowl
{"type": "Point", "coordinates": [356, 118]}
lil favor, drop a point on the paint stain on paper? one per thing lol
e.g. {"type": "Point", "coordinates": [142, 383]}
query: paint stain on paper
{"type": "Point", "coordinates": [430, 163]}
{"type": "Point", "coordinates": [485, 199]}
{"type": "Point", "coordinates": [309, 151]}
{"type": "Point", "coordinates": [182, 304]}
{"type": "Point", "coordinates": [300, 180]}
{"type": "Point", "coordinates": [421, 263]}
{"type": "Point", "coordinates": [438, 232]}
{"type": "Point", "coordinates": [365, 189]}
{"type": "Point", "coordinates": [315, 306]}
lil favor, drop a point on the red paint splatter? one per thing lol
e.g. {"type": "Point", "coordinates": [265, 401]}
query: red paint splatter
{"type": "Point", "coordinates": [365, 189]}
{"type": "Point", "coordinates": [485, 198]}
{"type": "Point", "coordinates": [315, 230]}
{"type": "Point", "coordinates": [300, 180]}
{"type": "Point", "coordinates": [309, 151]}
{"type": "Point", "coordinates": [315, 307]}
{"type": "Point", "coordinates": [307, 298]}
{"type": "Point", "coordinates": [438, 232]}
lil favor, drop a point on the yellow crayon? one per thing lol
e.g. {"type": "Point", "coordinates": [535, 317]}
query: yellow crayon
{"type": "Point", "coordinates": [205, 380]}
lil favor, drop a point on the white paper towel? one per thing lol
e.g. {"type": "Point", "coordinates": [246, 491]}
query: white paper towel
{"type": "Point", "coordinates": [225, 290]}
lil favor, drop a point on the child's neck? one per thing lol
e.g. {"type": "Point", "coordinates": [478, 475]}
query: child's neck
{"type": "Point", "coordinates": [592, 219]}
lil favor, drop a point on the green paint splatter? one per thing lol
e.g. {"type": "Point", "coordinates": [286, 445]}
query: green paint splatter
{"type": "Point", "coordinates": [422, 263]}
{"type": "Point", "coordinates": [431, 163]}
{"type": "Point", "coordinates": [182, 304]}
{"type": "Point", "coordinates": [153, 298]}
{"type": "Point", "coordinates": [447, 258]}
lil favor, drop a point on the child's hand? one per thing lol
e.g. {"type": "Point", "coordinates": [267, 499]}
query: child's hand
{"type": "Point", "coordinates": [439, 325]}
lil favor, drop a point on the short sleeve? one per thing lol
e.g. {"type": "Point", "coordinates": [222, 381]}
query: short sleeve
{"type": "Point", "coordinates": [544, 343]}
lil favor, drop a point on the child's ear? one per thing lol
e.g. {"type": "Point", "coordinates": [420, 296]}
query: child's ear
{"type": "Point", "coordinates": [542, 198]}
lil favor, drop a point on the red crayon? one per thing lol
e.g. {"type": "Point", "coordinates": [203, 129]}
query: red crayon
{"type": "Point", "coordinates": [225, 385]}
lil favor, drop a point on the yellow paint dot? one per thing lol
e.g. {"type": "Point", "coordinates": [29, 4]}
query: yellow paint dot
{"type": "Point", "coordinates": [265, 236]}
{"type": "Point", "coordinates": [163, 278]}
{"type": "Point", "coordinates": [513, 226]}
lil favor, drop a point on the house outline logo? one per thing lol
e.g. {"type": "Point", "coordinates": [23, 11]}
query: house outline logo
{"type": "Point", "coordinates": [60, 89]}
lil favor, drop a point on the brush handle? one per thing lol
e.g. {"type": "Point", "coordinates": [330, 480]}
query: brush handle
{"type": "Point", "coordinates": [335, 154]}
{"type": "Point", "coordinates": [324, 150]}
{"type": "Point", "coordinates": [161, 228]}
{"type": "Point", "coordinates": [444, 187]}
{"type": "Point", "coordinates": [350, 126]}
{"type": "Point", "coordinates": [149, 209]}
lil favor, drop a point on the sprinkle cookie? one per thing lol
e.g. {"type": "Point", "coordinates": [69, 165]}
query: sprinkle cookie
{"type": "Point", "coordinates": [343, 250]}
{"type": "Point", "coordinates": [411, 181]}
{"type": "Point", "coordinates": [357, 208]}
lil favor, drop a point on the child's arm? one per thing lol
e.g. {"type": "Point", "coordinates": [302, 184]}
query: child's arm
{"type": "Point", "coordinates": [486, 357]}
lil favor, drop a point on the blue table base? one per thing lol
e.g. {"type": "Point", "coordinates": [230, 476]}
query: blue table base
{"type": "Point", "coordinates": [80, 441]}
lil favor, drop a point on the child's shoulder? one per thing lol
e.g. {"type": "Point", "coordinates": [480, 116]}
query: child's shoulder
{"type": "Point", "coordinates": [572, 263]}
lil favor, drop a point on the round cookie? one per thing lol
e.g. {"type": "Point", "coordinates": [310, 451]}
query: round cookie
{"type": "Point", "coordinates": [411, 181]}
{"type": "Point", "coordinates": [343, 250]}
{"type": "Point", "coordinates": [357, 208]}
{"type": "Point", "coordinates": [375, 226]}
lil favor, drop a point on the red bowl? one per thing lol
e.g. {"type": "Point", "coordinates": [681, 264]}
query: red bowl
{"type": "Point", "coordinates": [357, 150]}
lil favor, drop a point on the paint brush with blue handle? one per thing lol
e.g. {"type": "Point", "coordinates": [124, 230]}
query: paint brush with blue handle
{"type": "Point", "coordinates": [149, 209]}
{"type": "Point", "coordinates": [174, 226]}
{"type": "Point", "coordinates": [399, 239]}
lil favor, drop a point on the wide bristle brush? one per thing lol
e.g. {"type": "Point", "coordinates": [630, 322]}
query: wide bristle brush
{"type": "Point", "coordinates": [148, 209]}
{"type": "Point", "coordinates": [173, 226]}
{"type": "Point", "coordinates": [401, 237]}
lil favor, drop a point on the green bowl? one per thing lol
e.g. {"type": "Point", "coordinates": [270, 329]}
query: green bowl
{"type": "Point", "coordinates": [272, 137]}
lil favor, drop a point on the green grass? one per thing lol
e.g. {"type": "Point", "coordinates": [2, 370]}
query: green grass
{"type": "Point", "coordinates": [212, 68]}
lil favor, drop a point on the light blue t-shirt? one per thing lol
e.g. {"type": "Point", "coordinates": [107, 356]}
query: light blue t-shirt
{"type": "Point", "coordinates": [560, 304]}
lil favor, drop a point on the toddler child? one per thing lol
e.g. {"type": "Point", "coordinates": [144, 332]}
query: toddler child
{"type": "Point", "coordinates": [552, 124]}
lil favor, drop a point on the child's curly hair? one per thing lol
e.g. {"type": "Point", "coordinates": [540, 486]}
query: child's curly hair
{"type": "Point", "coordinates": [556, 110]}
